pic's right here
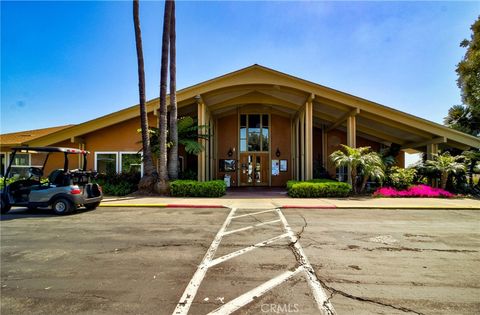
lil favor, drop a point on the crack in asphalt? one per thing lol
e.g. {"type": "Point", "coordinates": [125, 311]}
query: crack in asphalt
{"type": "Point", "coordinates": [332, 290]}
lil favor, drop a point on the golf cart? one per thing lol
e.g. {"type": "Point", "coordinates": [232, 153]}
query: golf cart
{"type": "Point", "coordinates": [64, 190]}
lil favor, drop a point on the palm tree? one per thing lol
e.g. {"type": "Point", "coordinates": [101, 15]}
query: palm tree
{"type": "Point", "coordinates": [150, 175]}
{"type": "Point", "coordinates": [162, 185]}
{"type": "Point", "coordinates": [173, 133]}
{"type": "Point", "coordinates": [352, 158]}
{"type": "Point", "coordinates": [446, 164]}
{"type": "Point", "coordinates": [373, 167]}
{"type": "Point", "coordinates": [472, 159]}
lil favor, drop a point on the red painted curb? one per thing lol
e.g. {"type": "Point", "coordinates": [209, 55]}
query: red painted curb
{"type": "Point", "coordinates": [194, 206]}
{"type": "Point", "coordinates": [310, 207]}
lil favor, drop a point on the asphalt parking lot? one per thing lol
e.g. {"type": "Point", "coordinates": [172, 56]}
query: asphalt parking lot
{"type": "Point", "coordinates": [142, 260]}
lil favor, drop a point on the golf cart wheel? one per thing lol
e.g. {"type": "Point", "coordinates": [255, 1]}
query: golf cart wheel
{"type": "Point", "coordinates": [92, 206]}
{"type": "Point", "coordinates": [5, 207]}
{"type": "Point", "coordinates": [62, 206]}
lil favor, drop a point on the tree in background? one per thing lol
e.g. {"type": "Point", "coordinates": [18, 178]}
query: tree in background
{"type": "Point", "coordinates": [173, 133]}
{"type": "Point", "coordinates": [150, 175]}
{"type": "Point", "coordinates": [466, 117]}
{"type": "Point", "coordinates": [162, 185]}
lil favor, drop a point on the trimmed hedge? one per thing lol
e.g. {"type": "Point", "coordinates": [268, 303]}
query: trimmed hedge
{"type": "Point", "coordinates": [318, 188]}
{"type": "Point", "coordinates": [193, 188]}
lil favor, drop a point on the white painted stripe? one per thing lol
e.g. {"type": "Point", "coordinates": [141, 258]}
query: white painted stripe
{"type": "Point", "coordinates": [250, 227]}
{"type": "Point", "coordinates": [246, 250]}
{"type": "Point", "coordinates": [253, 213]}
{"type": "Point", "coordinates": [323, 304]}
{"type": "Point", "coordinates": [188, 296]}
{"type": "Point", "coordinates": [251, 295]}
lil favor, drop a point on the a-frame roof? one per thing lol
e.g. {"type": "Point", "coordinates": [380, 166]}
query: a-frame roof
{"type": "Point", "coordinates": [263, 76]}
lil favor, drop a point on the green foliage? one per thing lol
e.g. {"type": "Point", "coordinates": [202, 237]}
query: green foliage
{"type": "Point", "coordinates": [189, 134]}
{"type": "Point", "coordinates": [318, 188]}
{"type": "Point", "coordinates": [401, 178]}
{"type": "Point", "coordinates": [446, 164]}
{"type": "Point", "coordinates": [119, 184]}
{"type": "Point", "coordinates": [193, 188]}
{"type": "Point", "coordinates": [369, 164]}
{"type": "Point", "coordinates": [8, 181]}
{"type": "Point", "coordinates": [188, 174]}
{"type": "Point", "coordinates": [466, 117]}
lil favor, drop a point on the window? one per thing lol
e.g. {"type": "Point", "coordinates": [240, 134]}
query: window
{"type": "Point", "coordinates": [3, 162]}
{"type": "Point", "coordinates": [254, 135]}
{"type": "Point", "coordinates": [20, 165]}
{"type": "Point", "coordinates": [106, 162]}
{"type": "Point", "coordinates": [131, 162]}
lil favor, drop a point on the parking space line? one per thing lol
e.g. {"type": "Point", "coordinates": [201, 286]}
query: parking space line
{"type": "Point", "coordinates": [189, 294]}
{"type": "Point", "coordinates": [246, 249]}
{"type": "Point", "coordinates": [253, 213]}
{"type": "Point", "coordinates": [253, 294]}
{"type": "Point", "coordinates": [323, 303]}
{"type": "Point", "coordinates": [250, 227]}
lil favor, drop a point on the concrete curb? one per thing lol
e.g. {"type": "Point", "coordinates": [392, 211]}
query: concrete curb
{"type": "Point", "coordinates": [189, 206]}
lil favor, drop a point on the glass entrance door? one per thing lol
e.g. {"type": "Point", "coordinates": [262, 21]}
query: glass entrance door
{"type": "Point", "coordinates": [254, 169]}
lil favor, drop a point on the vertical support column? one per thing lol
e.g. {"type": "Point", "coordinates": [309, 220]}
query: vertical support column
{"type": "Point", "coordinates": [324, 148]}
{"type": "Point", "coordinates": [207, 146]}
{"type": "Point", "coordinates": [302, 144]}
{"type": "Point", "coordinates": [351, 139]}
{"type": "Point", "coordinates": [201, 158]}
{"type": "Point", "coordinates": [297, 148]}
{"type": "Point", "coordinates": [309, 138]}
{"type": "Point", "coordinates": [292, 146]}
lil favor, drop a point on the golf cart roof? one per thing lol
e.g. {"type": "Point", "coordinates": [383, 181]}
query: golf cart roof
{"type": "Point", "coordinates": [51, 149]}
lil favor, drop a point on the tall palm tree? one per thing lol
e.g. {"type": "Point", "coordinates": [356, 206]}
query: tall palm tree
{"type": "Point", "coordinates": [352, 158]}
{"type": "Point", "coordinates": [173, 133]}
{"type": "Point", "coordinates": [162, 185]}
{"type": "Point", "coordinates": [446, 164]}
{"type": "Point", "coordinates": [149, 172]}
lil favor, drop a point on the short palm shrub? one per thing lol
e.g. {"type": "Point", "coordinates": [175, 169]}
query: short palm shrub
{"type": "Point", "coordinates": [318, 189]}
{"type": "Point", "coordinates": [401, 178]}
{"type": "Point", "coordinates": [446, 164]}
{"type": "Point", "coordinates": [193, 188]}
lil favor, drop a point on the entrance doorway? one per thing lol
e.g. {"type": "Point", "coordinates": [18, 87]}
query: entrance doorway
{"type": "Point", "coordinates": [254, 169]}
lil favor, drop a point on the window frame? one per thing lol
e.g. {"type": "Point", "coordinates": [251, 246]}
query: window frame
{"type": "Point", "coordinates": [106, 152]}
{"type": "Point", "coordinates": [120, 160]}
{"type": "Point", "coordinates": [260, 132]}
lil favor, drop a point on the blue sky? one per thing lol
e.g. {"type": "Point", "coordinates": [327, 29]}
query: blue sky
{"type": "Point", "coordinates": [68, 62]}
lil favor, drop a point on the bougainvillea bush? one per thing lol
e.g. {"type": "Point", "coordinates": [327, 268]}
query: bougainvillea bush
{"type": "Point", "coordinates": [414, 191]}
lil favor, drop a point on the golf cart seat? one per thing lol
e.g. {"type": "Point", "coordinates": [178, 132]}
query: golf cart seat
{"type": "Point", "coordinates": [58, 178]}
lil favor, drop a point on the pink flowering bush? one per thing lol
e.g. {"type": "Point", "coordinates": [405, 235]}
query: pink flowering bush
{"type": "Point", "coordinates": [413, 191]}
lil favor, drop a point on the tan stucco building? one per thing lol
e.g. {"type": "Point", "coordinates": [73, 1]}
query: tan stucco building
{"type": "Point", "coordinates": [267, 127]}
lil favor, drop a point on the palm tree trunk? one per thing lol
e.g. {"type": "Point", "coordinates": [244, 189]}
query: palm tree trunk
{"type": "Point", "coordinates": [364, 183]}
{"type": "Point", "coordinates": [149, 173]}
{"type": "Point", "coordinates": [173, 153]}
{"type": "Point", "coordinates": [353, 173]}
{"type": "Point", "coordinates": [162, 184]}
{"type": "Point", "coordinates": [443, 180]}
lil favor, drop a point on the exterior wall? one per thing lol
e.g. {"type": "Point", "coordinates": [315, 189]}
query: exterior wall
{"type": "Point", "coordinates": [117, 138]}
{"type": "Point", "coordinates": [281, 138]}
{"type": "Point", "coordinates": [227, 138]}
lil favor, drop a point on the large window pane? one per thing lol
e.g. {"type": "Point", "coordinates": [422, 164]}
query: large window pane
{"type": "Point", "coordinates": [21, 159]}
{"type": "Point", "coordinates": [254, 123]}
{"type": "Point", "coordinates": [131, 162]}
{"type": "Point", "coordinates": [253, 141]}
{"type": "Point", "coordinates": [243, 145]}
{"type": "Point", "coordinates": [106, 163]}
{"type": "Point", "coordinates": [265, 139]}
{"type": "Point", "coordinates": [243, 120]}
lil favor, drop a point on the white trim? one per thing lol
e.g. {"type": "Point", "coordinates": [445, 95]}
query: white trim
{"type": "Point", "coordinates": [106, 152]}
{"type": "Point", "coordinates": [121, 153]}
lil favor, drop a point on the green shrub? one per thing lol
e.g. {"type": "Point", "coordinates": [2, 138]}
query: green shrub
{"type": "Point", "coordinates": [118, 184]}
{"type": "Point", "coordinates": [401, 178]}
{"type": "Point", "coordinates": [318, 188]}
{"type": "Point", "coordinates": [317, 180]}
{"type": "Point", "coordinates": [193, 188]}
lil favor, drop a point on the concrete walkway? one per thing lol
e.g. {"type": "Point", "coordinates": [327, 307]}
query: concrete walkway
{"type": "Point", "coordinates": [286, 202]}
